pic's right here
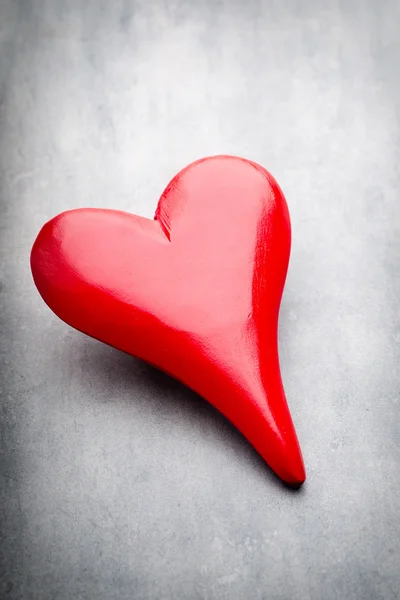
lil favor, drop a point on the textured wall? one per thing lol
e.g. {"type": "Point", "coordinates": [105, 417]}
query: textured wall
{"type": "Point", "coordinates": [117, 482]}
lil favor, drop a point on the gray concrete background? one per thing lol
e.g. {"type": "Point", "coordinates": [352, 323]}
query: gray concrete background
{"type": "Point", "coordinates": [117, 482]}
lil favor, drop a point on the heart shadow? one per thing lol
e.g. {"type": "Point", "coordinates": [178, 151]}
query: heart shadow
{"type": "Point", "coordinates": [154, 390]}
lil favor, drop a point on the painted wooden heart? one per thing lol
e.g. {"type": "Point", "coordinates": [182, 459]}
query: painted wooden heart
{"type": "Point", "coordinates": [195, 292]}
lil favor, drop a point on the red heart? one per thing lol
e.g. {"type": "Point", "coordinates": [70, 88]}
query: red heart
{"type": "Point", "coordinates": [195, 292]}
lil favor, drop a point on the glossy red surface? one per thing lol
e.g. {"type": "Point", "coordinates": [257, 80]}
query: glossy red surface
{"type": "Point", "coordinates": [195, 292]}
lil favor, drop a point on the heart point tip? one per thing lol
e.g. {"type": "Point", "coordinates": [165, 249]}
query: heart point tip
{"type": "Point", "coordinates": [296, 477]}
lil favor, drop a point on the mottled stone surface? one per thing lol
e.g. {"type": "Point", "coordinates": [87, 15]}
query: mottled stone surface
{"type": "Point", "coordinates": [115, 481]}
